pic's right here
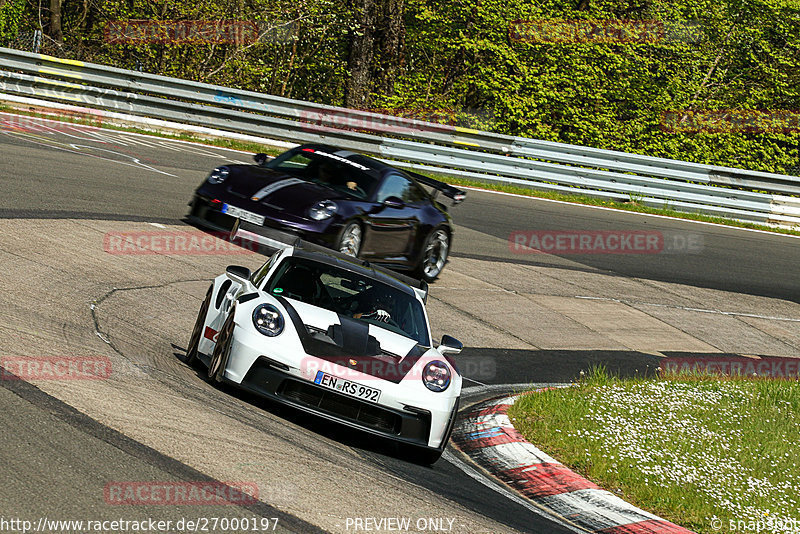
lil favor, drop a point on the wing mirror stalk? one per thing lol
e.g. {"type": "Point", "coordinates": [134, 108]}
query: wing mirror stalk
{"type": "Point", "coordinates": [240, 275]}
{"type": "Point", "coordinates": [450, 345]}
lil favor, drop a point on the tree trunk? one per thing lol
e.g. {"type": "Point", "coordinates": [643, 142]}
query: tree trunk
{"type": "Point", "coordinates": [362, 49]}
{"type": "Point", "coordinates": [392, 43]}
{"type": "Point", "coordinates": [56, 32]}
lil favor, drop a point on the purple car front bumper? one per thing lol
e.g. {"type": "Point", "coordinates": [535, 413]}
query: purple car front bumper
{"type": "Point", "coordinates": [206, 213]}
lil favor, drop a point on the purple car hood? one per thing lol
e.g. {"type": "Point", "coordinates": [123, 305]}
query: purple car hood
{"type": "Point", "coordinates": [277, 190]}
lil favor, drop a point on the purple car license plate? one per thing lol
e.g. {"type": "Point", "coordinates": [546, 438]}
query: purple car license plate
{"type": "Point", "coordinates": [347, 387]}
{"type": "Point", "coordinates": [244, 215]}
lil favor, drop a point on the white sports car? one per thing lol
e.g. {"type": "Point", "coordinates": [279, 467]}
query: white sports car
{"type": "Point", "coordinates": [334, 336]}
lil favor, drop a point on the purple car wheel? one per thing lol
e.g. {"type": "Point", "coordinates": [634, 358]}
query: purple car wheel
{"type": "Point", "coordinates": [434, 255]}
{"type": "Point", "coordinates": [350, 240]}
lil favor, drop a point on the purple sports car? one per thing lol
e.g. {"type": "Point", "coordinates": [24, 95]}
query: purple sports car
{"type": "Point", "coordinates": [336, 198]}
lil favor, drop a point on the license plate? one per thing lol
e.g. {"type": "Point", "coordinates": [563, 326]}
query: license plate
{"type": "Point", "coordinates": [244, 215]}
{"type": "Point", "coordinates": [347, 387]}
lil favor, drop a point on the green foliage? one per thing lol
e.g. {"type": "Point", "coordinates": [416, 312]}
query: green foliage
{"type": "Point", "coordinates": [11, 14]}
{"type": "Point", "coordinates": [458, 56]}
{"type": "Point", "coordinates": [741, 54]}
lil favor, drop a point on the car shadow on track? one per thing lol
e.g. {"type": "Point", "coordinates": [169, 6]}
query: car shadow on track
{"type": "Point", "coordinates": [490, 366]}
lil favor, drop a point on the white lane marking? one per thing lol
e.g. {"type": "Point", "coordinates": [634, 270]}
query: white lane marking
{"type": "Point", "coordinates": [135, 160]}
{"type": "Point", "coordinates": [98, 334]}
{"type": "Point", "coordinates": [518, 388]}
{"type": "Point", "coordinates": [629, 212]}
{"type": "Point", "coordinates": [508, 494]}
{"type": "Point", "coordinates": [686, 308]}
{"type": "Point", "coordinates": [76, 149]}
{"type": "Point", "coordinates": [472, 380]}
{"type": "Point", "coordinates": [157, 225]}
{"type": "Point", "coordinates": [489, 289]}
{"type": "Point", "coordinates": [597, 509]}
{"type": "Point", "coordinates": [517, 454]}
{"type": "Point", "coordinates": [134, 134]}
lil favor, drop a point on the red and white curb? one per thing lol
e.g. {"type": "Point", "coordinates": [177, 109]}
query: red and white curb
{"type": "Point", "coordinates": [487, 436]}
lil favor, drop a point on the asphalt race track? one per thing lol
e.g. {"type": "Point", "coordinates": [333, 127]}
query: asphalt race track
{"type": "Point", "coordinates": [148, 183]}
{"type": "Point", "coordinates": [523, 317]}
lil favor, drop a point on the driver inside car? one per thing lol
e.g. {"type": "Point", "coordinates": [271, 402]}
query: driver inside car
{"type": "Point", "coordinates": [329, 175]}
{"type": "Point", "coordinates": [339, 181]}
{"type": "Point", "coordinates": [380, 308]}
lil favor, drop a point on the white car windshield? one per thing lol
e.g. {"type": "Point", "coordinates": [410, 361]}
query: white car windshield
{"type": "Point", "coordinates": [351, 294]}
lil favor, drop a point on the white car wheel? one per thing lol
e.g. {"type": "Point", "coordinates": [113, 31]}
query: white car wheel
{"type": "Point", "coordinates": [219, 358]}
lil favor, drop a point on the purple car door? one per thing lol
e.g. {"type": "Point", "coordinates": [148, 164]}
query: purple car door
{"type": "Point", "coordinates": [392, 227]}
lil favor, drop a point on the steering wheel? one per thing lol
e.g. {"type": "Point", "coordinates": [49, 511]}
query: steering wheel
{"type": "Point", "coordinates": [389, 321]}
{"type": "Point", "coordinates": [361, 192]}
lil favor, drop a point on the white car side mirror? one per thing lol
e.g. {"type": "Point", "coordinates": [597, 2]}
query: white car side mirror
{"type": "Point", "coordinates": [450, 345]}
{"type": "Point", "coordinates": [240, 275]}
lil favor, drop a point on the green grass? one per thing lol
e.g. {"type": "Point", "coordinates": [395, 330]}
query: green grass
{"type": "Point", "coordinates": [700, 451]}
{"type": "Point", "coordinates": [576, 198]}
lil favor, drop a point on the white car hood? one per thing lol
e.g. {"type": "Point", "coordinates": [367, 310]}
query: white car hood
{"type": "Point", "coordinates": [321, 318]}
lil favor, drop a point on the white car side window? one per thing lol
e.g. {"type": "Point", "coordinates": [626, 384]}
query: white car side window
{"type": "Point", "coordinates": [262, 272]}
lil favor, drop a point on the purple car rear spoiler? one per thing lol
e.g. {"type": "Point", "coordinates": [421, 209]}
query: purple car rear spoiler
{"type": "Point", "coordinates": [447, 190]}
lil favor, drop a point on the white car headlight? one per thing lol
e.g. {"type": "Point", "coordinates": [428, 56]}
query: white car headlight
{"type": "Point", "coordinates": [436, 376]}
{"type": "Point", "coordinates": [268, 320]}
{"type": "Point", "coordinates": [324, 209]}
{"type": "Point", "coordinates": [218, 175]}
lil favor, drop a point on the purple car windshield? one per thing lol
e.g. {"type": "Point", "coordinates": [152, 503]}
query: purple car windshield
{"type": "Point", "coordinates": [327, 169]}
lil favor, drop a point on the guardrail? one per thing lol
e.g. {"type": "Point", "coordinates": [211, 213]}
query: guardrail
{"type": "Point", "coordinates": [422, 146]}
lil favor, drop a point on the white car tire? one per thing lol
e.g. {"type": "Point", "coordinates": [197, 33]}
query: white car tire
{"type": "Point", "coordinates": [219, 358]}
{"type": "Point", "coordinates": [197, 331]}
